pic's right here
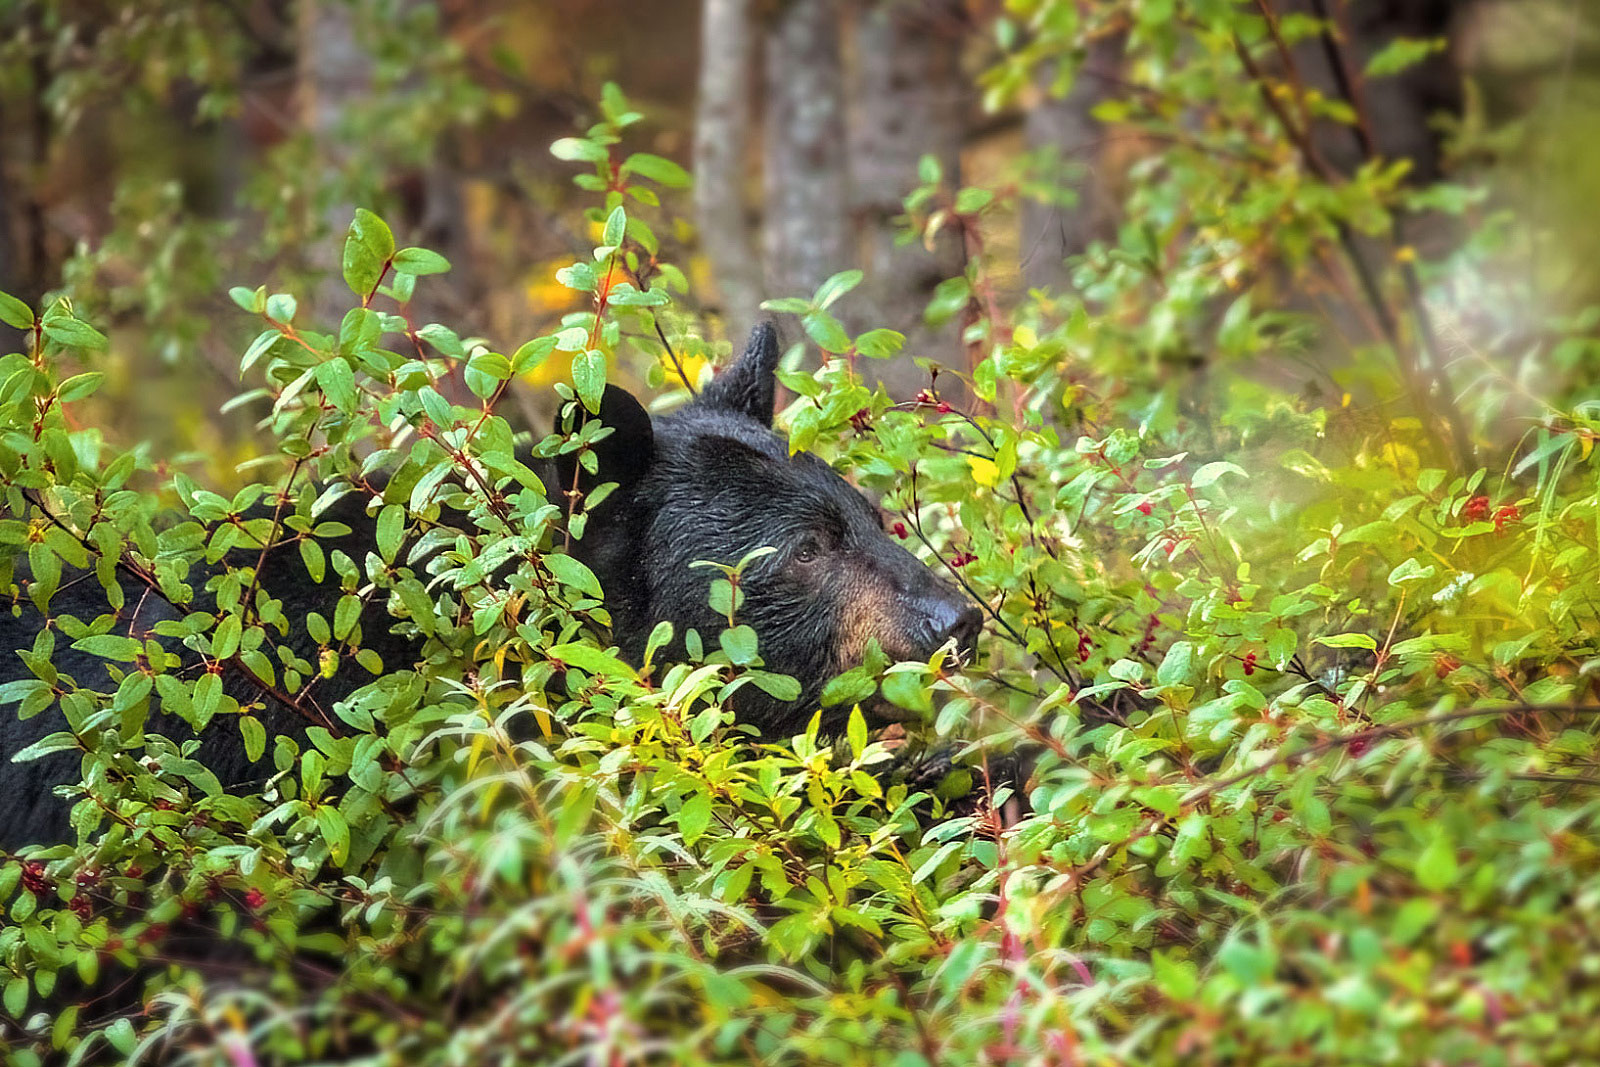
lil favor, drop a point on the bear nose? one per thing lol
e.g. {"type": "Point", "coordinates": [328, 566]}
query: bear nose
{"type": "Point", "coordinates": [965, 630]}
{"type": "Point", "coordinates": [944, 619]}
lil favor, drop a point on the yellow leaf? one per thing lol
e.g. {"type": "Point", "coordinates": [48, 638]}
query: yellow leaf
{"type": "Point", "coordinates": [984, 472]}
{"type": "Point", "coordinates": [478, 744]}
{"type": "Point", "coordinates": [692, 366]}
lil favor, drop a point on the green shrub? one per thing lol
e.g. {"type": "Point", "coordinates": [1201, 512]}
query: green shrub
{"type": "Point", "coordinates": [1308, 693]}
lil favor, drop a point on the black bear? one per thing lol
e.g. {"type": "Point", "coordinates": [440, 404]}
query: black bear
{"type": "Point", "coordinates": [711, 481]}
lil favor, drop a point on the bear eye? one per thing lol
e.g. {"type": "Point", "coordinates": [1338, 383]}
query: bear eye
{"type": "Point", "coordinates": [809, 551]}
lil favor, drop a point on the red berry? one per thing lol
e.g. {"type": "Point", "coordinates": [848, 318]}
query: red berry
{"type": "Point", "coordinates": [1477, 508]}
{"type": "Point", "coordinates": [1145, 508]}
{"type": "Point", "coordinates": [1249, 663]}
{"type": "Point", "coordinates": [255, 899]}
{"type": "Point", "coordinates": [33, 879]}
{"type": "Point", "coordinates": [944, 409]}
{"type": "Point", "coordinates": [1507, 514]}
{"type": "Point", "coordinates": [900, 530]}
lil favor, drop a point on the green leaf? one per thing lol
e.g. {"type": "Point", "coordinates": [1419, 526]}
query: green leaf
{"type": "Point", "coordinates": [1436, 864]}
{"type": "Point", "coordinates": [972, 200]}
{"type": "Point", "coordinates": [1178, 980]}
{"type": "Point", "coordinates": [694, 817]}
{"type": "Point", "coordinates": [532, 355]}
{"type": "Point", "coordinates": [258, 348]}
{"type": "Point", "coordinates": [254, 735]}
{"type": "Point", "coordinates": [207, 698]}
{"type": "Point", "coordinates": [16, 996]}
{"type": "Point", "coordinates": [391, 528]}
{"type": "Point", "coordinates": [79, 386]}
{"type": "Point", "coordinates": [225, 639]}
{"type": "Point", "coordinates": [56, 742]}
{"type": "Point", "coordinates": [826, 331]}
{"type": "Point", "coordinates": [1365, 641]}
{"type": "Point", "coordinates": [122, 1036]}
{"type": "Point", "coordinates": [251, 300]}
{"type": "Point", "coordinates": [1177, 663]}
{"type": "Point", "coordinates": [367, 249]}
{"type": "Point", "coordinates": [880, 344]}
{"type": "Point", "coordinates": [1212, 471]}
{"type": "Point", "coordinates": [1401, 53]}
{"type": "Point", "coordinates": [346, 615]}
{"type": "Point", "coordinates": [579, 150]}
{"type": "Point", "coordinates": [856, 731]}
{"type": "Point", "coordinates": [589, 378]}
{"type": "Point", "coordinates": [616, 227]}
{"type": "Point", "coordinates": [73, 333]}
{"type": "Point", "coordinates": [837, 286]}
{"type": "Point", "coordinates": [492, 364]}
{"type": "Point", "coordinates": [14, 312]}
{"type": "Point", "coordinates": [740, 645]}
{"type": "Point", "coordinates": [111, 646]}
{"type": "Point", "coordinates": [420, 261]}
{"type": "Point", "coordinates": [335, 831]}
{"type": "Point", "coordinates": [570, 571]}
{"type": "Point", "coordinates": [1410, 571]}
{"type": "Point", "coordinates": [281, 307]}
{"type": "Point", "coordinates": [582, 277]}
{"type": "Point", "coordinates": [592, 660]}
{"type": "Point", "coordinates": [657, 169]}
{"type": "Point", "coordinates": [909, 690]}
{"type": "Point", "coordinates": [338, 383]}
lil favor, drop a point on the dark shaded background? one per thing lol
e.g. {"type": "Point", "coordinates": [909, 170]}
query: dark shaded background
{"type": "Point", "coordinates": [153, 154]}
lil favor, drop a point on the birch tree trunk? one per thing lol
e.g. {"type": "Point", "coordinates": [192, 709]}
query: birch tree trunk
{"type": "Point", "coordinates": [335, 73]}
{"type": "Point", "coordinates": [806, 221]}
{"type": "Point", "coordinates": [721, 154]}
{"type": "Point", "coordinates": [909, 99]}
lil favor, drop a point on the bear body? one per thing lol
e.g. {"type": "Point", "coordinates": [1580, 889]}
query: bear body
{"type": "Point", "coordinates": [709, 482]}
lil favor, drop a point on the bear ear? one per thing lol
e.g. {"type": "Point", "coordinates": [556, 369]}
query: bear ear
{"type": "Point", "coordinates": [747, 387]}
{"type": "Point", "coordinates": [624, 454]}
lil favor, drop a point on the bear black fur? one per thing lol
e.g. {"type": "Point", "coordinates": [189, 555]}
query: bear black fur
{"type": "Point", "coordinates": [711, 481]}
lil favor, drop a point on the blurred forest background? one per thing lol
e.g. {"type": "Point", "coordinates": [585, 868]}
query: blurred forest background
{"type": "Point", "coordinates": [152, 154]}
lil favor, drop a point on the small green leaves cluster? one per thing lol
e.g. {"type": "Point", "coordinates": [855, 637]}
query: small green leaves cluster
{"type": "Point", "coordinates": [1280, 745]}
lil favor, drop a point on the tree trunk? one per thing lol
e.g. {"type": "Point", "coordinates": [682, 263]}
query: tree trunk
{"type": "Point", "coordinates": [721, 154]}
{"type": "Point", "coordinates": [1071, 143]}
{"type": "Point", "coordinates": [807, 229]}
{"type": "Point", "coordinates": [909, 100]}
{"type": "Point", "coordinates": [1399, 110]}
{"type": "Point", "coordinates": [335, 74]}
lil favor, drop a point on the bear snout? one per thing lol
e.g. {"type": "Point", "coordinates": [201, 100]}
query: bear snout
{"type": "Point", "coordinates": [940, 619]}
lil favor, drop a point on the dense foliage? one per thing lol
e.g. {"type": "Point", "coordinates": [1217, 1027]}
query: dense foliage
{"type": "Point", "coordinates": [1302, 678]}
